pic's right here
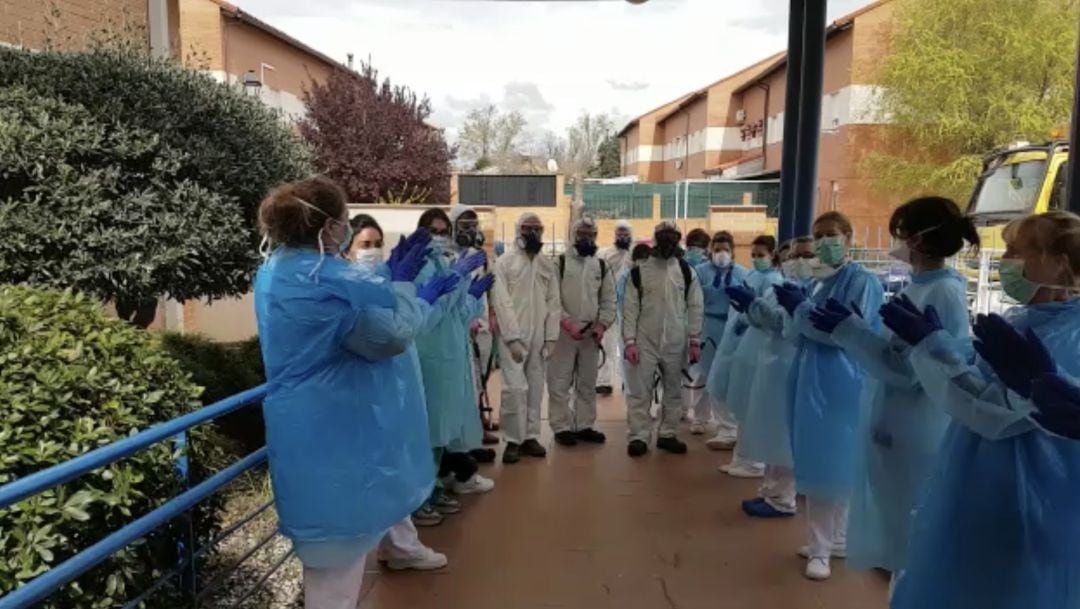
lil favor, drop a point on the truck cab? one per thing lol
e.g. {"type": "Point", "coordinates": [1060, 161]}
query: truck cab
{"type": "Point", "coordinates": [1017, 181]}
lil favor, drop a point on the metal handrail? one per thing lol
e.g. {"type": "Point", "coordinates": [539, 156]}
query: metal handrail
{"type": "Point", "coordinates": [55, 578]}
{"type": "Point", "coordinates": [56, 475]}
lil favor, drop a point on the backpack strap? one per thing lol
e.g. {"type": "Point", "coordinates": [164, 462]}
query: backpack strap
{"type": "Point", "coordinates": [687, 277]}
{"type": "Point", "coordinates": [603, 269]}
{"type": "Point", "coordinates": [562, 266]}
{"type": "Point", "coordinates": [635, 278]}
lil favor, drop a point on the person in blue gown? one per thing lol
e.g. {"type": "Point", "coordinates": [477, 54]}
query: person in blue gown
{"type": "Point", "coordinates": [901, 426]}
{"type": "Point", "coordinates": [997, 527]}
{"type": "Point", "coordinates": [347, 443]}
{"type": "Point", "coordinates": [824, 406]}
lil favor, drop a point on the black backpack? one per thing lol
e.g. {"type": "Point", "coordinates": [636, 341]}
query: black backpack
{"type": "Point", "coordinates": [684, 266]}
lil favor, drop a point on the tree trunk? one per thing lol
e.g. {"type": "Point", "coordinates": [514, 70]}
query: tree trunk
{"type": "Point", "coordinates": [577, 206]}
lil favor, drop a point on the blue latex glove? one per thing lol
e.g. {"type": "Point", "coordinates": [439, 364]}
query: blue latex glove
{"type": "Point", "coordinates": [741, 327]}
{"type": "Point", "coordinates": [909, 323]}
{"type": "Point", "coordinates": [409, 256]}
{"type": "Point", "coordinates": [828, 317]}
{"type": "Point", "coordinates": [1017, 359]}
{"type": "Point", "coordinates": [741, 297]}
{"type": "Point", "coordinates": [1058, 402]}
{"type": "Point", "coordinates": [438, 286]}
{"type": "Point", "coordinates": [480, 286]}
{"type": "Point", "coordinates": [790, 296]}
{"type": "Point", "coordinates": [468, 264]}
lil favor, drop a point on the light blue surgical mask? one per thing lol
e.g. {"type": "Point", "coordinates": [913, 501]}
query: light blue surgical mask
{"type": "Point", "coordinates": [695, 255]}
{"type": "Point", "coordinates": [1017, 286]}
{"type": "Point", "coordinates": [439, 244]}
{"type": "Point", "coordinates": [830, 250]}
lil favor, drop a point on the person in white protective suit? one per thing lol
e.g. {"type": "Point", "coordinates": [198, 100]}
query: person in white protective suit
{"type": "Point", "coordinates": [527, 310]}
{"type": "Point", "coordinates": [588, 310]}
{"type": "Point", "coordinates": [618, 260]}
{"type": "Point", "coordinates": [662, 319]}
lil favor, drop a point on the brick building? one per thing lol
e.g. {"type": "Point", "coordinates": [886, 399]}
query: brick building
{"type": "Point", "coordinates": [733, 128]}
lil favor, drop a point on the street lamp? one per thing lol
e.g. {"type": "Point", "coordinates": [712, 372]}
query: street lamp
{"type": "Point", "coordinates": [251, 83]}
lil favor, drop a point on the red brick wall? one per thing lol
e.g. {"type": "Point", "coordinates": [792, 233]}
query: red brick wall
{"type": "Point", "coordinates": [68, 24]}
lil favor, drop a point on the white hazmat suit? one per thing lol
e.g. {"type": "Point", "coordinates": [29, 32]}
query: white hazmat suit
{"type": "Point", "coordinates": [527, 309]}
{"type": "Point", "coordinates": [618, 261]}
{"type": "Point", "coordinates": [660, 318]}
{"type": "Point", "coordinates": [588, 300]}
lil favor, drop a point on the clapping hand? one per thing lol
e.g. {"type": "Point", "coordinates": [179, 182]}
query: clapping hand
{"type": "Point", "coordinates": [438, 286]}
{"type": "Point", "coordinates": [741, 297]}
{"type": "Point", "coordinates": [790, 296]}
{"type": "Point", "coordinates": [480, 286]}
{"type": "Point", "coordinates": [409, 256]}
{"type": "Point", "coordinates": [909, 323]}
{"type": "Point", "coordinates": [468, 264]}
{"type": "Point", "coordinates": [1058, 402]}
{"type": "Point", "coordinates": [1017, 359]}
{"type": "Point", "coordinates": [828, 317]}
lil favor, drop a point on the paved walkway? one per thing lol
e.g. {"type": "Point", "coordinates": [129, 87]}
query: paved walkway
{"type": "Point", "coordinates": [589, 528]}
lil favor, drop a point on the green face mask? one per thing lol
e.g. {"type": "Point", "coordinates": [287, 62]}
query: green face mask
{"type": "Point", "coordinates": [762, 264]}
{"type": "Point", "coordinates": [830, 250]}
{"type": "Point", "coordinates": [1016, 286]}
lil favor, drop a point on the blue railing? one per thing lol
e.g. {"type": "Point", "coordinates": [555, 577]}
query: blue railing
{"type": "Point", "coordinates": [59, 576]}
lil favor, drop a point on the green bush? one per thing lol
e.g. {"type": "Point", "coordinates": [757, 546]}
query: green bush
{"type": "Point", "coordinates": [224, 369]}
{"type": "Point", "coordinates": [71, 380]}
{"type": "Point", "coordinates": [132, 178]}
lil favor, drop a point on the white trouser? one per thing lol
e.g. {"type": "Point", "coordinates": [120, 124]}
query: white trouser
{"type": "Point", "coordinates": [608, 374]}
{"type": "Point", "coordinates": [698, 402]}
{"type": "Point", "coordinates": [726, 425]}
{"type": "Point", "coordinates": [522, 393]}
{"type": "Point", "coordinates": [340, 588]}
{"type": "Point", "coordinates": [827, 522]}
{"type": "Point", "coordinates": [639, 395]}
{"type": "Point", "coordinates": [572, 366]}
{"type": "Point", "coordinates": [778, 488]}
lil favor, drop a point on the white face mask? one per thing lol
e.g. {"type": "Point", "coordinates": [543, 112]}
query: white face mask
{"type": "Point", "coordinates": [901, 253]}
{"type": "Point", "coordinates": [722, 259]}
{"type": "Point", "coordinates": [820, 270]}
{"type": "Point", "coordinates": [369, 258]}
{"type": "Point", "coordinates": [799, 268]}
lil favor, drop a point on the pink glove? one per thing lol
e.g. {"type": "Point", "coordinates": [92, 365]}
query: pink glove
{"type": "Point", "coordinates": [630, 353]}
{"type": "Point", "coordinates": [695, 352]}
{"type": "Point", "coordinates": [474, 327]}
{"type": "Point", "coordinates": [598, 331]}
{"type": "Point", "coordinates": [570, 327]}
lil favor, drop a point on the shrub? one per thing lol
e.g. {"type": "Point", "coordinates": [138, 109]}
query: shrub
{"type": "Point", "coordinates": [132, 178]}
{"type": "Point", "coordinates": [224, 369]}
{"type": "Point", "coordinates": [71, 380]}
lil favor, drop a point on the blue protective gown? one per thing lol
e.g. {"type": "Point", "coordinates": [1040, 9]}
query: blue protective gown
{"type": "Point", "coordinates": [998, 525]}
{"type": "Point", "coordinates": [824, 406]}
{"type": "Point", "coordinates": [715, 353]}
{"type": "Point", "coordinates": [745, 358]}
{"type": "Point", "coordinates": [443, 346]}
{"type": "Point", "coordinates": [347, 440]}
{"type": "Point", "coordinates": [765, 436]}
{"type": "Point", "coordinates": [900, 426]}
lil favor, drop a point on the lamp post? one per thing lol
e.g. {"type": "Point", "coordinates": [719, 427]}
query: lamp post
{"type": "Point", "coordinates": [251, 82]}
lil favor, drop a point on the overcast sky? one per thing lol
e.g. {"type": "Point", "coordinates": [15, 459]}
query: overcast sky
{"type": "Point", "coordinates": [550, 60]}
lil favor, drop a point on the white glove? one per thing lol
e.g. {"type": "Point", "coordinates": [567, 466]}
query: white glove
{"type": "Point", "coordinates": [518, 351]}
{"type": "Point", "coordinates": [548, 350]}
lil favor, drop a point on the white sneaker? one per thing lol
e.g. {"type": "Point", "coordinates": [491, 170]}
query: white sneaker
{"type": "Point", "coordinates": [473, 486]}
{"type": "Point", "coordinates": [725, 468]}
{"type": "Point", "coordinates": [721, 441]}
{"type": "Point", "coordinates": [837, 552]}
{"type": "Point", "coordinates": [697, 429]}
{"type": "Point", "coordinates": [429, 560]}
{"type": "Point", "coordinates": [817, 569]}
{"type": "Point", "coordinates": [745, 470]}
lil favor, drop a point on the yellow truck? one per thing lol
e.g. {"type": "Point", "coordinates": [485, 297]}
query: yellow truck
{"type": "Point", "coordinates": [1016, 181]}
